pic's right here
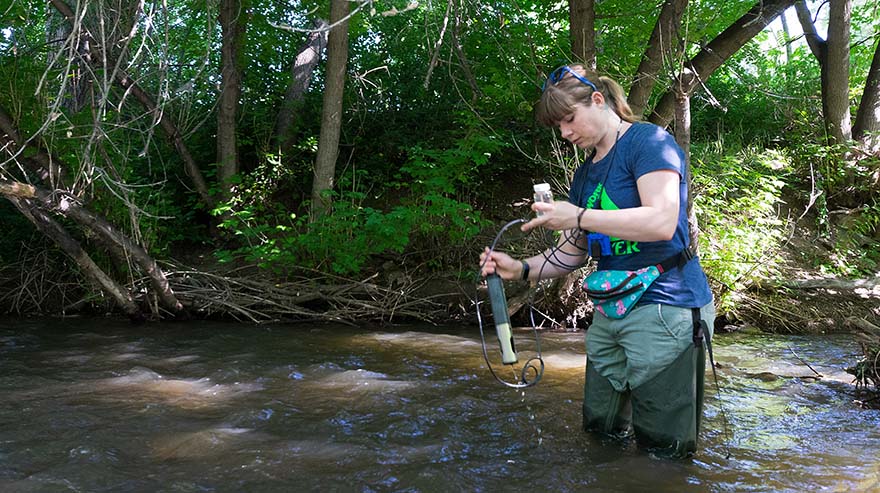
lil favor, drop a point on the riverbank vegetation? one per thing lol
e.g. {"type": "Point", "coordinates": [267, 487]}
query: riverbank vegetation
{"type": "Point", "coordinates": [261, 160]}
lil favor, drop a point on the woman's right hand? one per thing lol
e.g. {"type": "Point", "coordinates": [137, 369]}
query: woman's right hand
{"type": "Point", "coordinates": [501, 263]}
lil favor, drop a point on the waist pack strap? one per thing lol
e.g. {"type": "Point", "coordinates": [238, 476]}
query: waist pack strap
{"type": "Point", "coordinates": [613, 290]}
{"type": "Point", "coordinates": [605, 295]}
{"type": "Point", "coordinates": [677, 260]}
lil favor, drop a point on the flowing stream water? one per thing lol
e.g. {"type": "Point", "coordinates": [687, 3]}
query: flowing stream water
{"type": "Point", "coordinates": [101, 405]}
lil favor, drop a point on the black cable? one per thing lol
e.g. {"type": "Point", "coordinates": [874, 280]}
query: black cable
{"type": "Point", "coordinates": [724, 421]}
{"type": "Point", "coordinates": [550, 257]}
{"type": "Point", "coordinates": [524, 376]}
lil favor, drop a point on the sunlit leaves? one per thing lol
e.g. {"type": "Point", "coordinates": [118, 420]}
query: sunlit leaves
{"type": "Point", "coordinates": [737, 196]}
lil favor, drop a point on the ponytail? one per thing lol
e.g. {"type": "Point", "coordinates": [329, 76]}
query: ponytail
{"type": "Point", "coordinates": [615, 98]}
{"type": "Point", "coordinates": [560, 96]}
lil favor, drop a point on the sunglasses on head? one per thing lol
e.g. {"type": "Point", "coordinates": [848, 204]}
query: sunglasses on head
{"type": "Point", "coordinates": [559, 74]}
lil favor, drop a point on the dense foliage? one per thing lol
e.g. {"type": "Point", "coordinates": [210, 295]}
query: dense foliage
{"type": "Point", "coordinates": [438, 139]}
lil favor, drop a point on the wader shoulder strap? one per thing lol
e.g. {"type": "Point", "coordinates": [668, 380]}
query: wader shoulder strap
{"type": "Point", "coordinates": [699, 326]}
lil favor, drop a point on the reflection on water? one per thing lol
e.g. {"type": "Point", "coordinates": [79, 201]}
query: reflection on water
{"type": "Point", "coordinates": [100, 405]}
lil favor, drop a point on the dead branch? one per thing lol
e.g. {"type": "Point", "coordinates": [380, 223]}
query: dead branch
{"type": "Point", "coordinates": [129, 83]}
{"type": "Point", "coordinates": [46, 224]}
{"type": "Point", "coordinates": [871, 284]}
{"type": "Point", "coordinates": [867, 370]}
{"type": "Point", "coordinates": [16, 189]}
{"type": "Point", "coordinates": [312, 296]}
{"type": "Point", "coordinates": [437, 45]}
{"type": "Point", "coordinates": [62, 203]}
{"type": "Point", "coordinates": [776, 313]}
{"type": "Point", "coordinates": [868, 331]}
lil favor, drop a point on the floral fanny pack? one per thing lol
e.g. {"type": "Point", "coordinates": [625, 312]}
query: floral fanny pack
{"type": "Point", "coordinates": [615, 292]}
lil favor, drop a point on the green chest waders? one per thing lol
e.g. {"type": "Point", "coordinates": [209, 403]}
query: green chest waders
{"type": "Point", "coordinates": [606, 410]}
{"type": "Point", "coordinates": [665, 412]}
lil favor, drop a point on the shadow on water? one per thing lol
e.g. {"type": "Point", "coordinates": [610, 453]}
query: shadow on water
{"type": "Point", "coordinates": [96, 405]}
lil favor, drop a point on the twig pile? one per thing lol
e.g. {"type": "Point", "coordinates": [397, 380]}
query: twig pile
{"type": "Point", "coordinates": [311, 296]}
{"type": "Point", "coordinates": [867, 370]}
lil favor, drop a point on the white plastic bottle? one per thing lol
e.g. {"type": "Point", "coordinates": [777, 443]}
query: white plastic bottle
{"type": "Point", "coordinates": [543, 194]}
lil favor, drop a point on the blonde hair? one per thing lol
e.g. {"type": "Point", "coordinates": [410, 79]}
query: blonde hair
{"type": "Point", "coordinates": [558, 99]}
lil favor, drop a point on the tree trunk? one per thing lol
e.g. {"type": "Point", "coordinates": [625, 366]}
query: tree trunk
{"type": "Point", "coordinates": [108, 234]}
{"type": "Point", "coordinates": [75, 82]}
{"type": "Point", "coordinates": [582, 22]}
{"type": "Point", "coordinates": [838, 117]}
{"type": "Point", "coordinates": [817, 44]}
{"type": "Point", "coordinates": [818, 47]}
{"type": "Point", "coordinates": [61, 202]}
{"type": "Point", "coordinates": [233, 21]}
{"type": "Point", "coordinates": [300, 77]}
{"type": "Point", "coordinates": [462, 59]}
{"type": "Point", "coordinates": [704, 63]}
{"type": "Point", "coordinates": [833, 58]}
{"type": "Point", "coordinates": [72, 248]}
{"type": "Point", "coordinates": [116, 240]}
{"type": "Point", "coordinates": [16, 189]}
{"type": "Point", "coordinates": [331, 115]}
{"type": "Point", "coordinates": [868, 284]}
{"type": "Point", "coordinates": [867, 127]}
{"type": "Point", "coordinates": [683, 137]}
{"type": "Point", "coordinates": [787, 32]}
{"type": "Point", "coordinates": [130, 85]}
{"type": "Point", "coordinates": [46, 169]}
{"type": "Point", "coordinates": [663, 48]}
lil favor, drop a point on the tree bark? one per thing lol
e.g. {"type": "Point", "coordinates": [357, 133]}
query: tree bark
{"type": "Point", "coordinates": [462, 59]}
{"type": "Point", "coordinates": [67, 205]}
{"type": "Point", "coordinates": [130, 85]}
{"type": "Point", "coordinates": [46, 169]}
{"type": "Point", "coordinates": [838, 117]}
{"type": "Point", "coordinates": [867, 126]}
{"type": "Point", "coordinates": [300, 77]}
{"type": "Point", "coordinates": [663, 49]}
{"type": "Point", "coordinates": [331, 115]}
{"type": "Point", "coordinates": [683, 138]}
{"type": "Point", "coordinates": [16, 189]}
{"type": "Point", "coordinates": [233, 22]}
{"type": "Point", "coordinates": [582, 22]}
{"type": "Point", "coordinates": [72, 248]}
{"type": "Point", "coordinates": [704, 63]}
{"type": "Point", "coordinates": [833, 58]}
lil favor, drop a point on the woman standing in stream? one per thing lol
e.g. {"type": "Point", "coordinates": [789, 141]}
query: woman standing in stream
{"type": "Point", "coordinates": [645, 363]}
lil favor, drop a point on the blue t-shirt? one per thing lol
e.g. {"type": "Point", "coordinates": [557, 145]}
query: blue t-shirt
{"type": "Point", "coordinates": [642, 149]}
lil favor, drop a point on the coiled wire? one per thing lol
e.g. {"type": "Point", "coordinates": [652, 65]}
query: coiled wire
{"type": "Point", "coordinates": [531, 372]}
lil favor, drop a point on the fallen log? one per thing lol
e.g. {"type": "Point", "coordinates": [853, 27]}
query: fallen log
{"type": "Point", "coordinates": [48, 226]}
{"type": "Point", "coordinates": [870, 284]}
{"type": "Point", "coordinates": [16, 189]}
{"type": "Point", "coordinates": [865, 326]}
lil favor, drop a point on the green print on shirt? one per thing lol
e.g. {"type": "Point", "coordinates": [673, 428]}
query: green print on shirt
{"type": "Point", "coordinates": [618, 246]}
